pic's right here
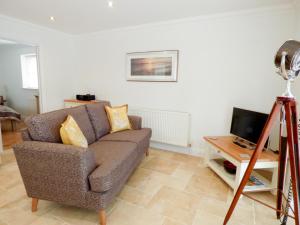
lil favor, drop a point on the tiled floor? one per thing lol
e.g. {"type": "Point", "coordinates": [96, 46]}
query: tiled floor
{"type": "Point", "coordinates": [167, 189]}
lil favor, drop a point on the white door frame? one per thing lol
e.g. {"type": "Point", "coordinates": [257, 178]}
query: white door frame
{"type": "Point", "coordinates": [39, 79]}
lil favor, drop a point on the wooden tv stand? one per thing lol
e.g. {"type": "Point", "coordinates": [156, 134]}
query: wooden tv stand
{"type": "Point", "coordinates": [221, 148]}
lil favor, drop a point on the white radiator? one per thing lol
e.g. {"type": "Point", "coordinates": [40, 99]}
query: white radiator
{"type": "Point", "coordinates": [167, 126]}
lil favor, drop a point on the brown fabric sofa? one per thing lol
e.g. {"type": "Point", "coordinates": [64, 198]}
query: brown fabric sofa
{"type": "Point", "coordinates": [88, 178]}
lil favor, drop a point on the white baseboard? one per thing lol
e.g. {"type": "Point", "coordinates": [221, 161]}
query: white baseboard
{"type": "Point", "coordinates": [178, 149]}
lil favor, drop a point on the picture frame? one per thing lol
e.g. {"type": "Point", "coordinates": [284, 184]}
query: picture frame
{"type": "Point", "coordinates": [152, 66]}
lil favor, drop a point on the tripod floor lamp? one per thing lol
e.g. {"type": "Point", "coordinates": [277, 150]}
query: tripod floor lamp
{"type": "Point", "coordinates": [287, 60]}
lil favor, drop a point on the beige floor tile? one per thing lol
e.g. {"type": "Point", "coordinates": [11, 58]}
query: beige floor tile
{"type": "Point", "coordinates": [131, 214]}
{"type": "Point", "coordinates": [180, 215]}
{"type": "Point", "coordinates": [2, 223]}
{"type": "Point", "coordinates": [135, 196]}
{"type": "Point", "coordinates": [145, 181]}
{"type": "Point", "coordinates": [162, 154]}
{"type": "Point", "coordinates": [167, 180]}
{"type": "Point", "coordinates": [15, 216]}
{"type": "Point", "coordinates": [48, 220]}
{"type": "Point", "coordinates": [264, 214]}
{"type": "Point", "coordinates": [213, 206]}
{"type": "Point", "coordinates": [207, 173]}
{"type": "Point", "coordinates": [169, 221]}
{"type": "Point", "coordinates": [150, 181]}
{"type": "Point", "coordinates": [184, 175]}
{"type": "Point", "coordinates": [161, 165]}
{"type": "Point", "coordinates": [243, 216]}
{"type": "Point", "coordinates": [8, 156]}
{"type": "Point", "coordinates": [146, 159]}
{"type": "Point", "coordinates": [166, 189]}
{"type": "Point", "coordinates": [179, 199]}
{"type": "Point", "coordinates": [200, 169]}
{"type": "Point", "coordinates": [187, 159]}
{"type": "Point", "coordinates": [209, 186]}
{"type": "Point", "coordinates": [189, 167]}
{"type": "Point", "coordinates": [139, 177]}
{"type": "Point", "coordinates": [12, 196]}
{"type": "Point", "coordinates": [175, 204]}
{"type": "Point", "coordinates": [266, 197]}
{"type": "Point", "coordinates": [204, 218]}
{"type": "Point", "coordinates": [8, 182]}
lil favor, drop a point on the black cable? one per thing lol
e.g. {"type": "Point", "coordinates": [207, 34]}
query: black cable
{"type": "Point", "coordinates": [284, 218]}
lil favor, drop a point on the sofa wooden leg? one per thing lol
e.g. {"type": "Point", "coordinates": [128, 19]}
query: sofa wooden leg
{"type": "Point", "coordinates": [34, 204]}
{"type": "Point", "coordinates": [147, 152]}
{"type": "Point", "coordinates": [102, 217]}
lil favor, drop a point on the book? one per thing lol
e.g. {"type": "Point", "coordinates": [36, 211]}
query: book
{"type": "Point", "coordinates": [254, 181]}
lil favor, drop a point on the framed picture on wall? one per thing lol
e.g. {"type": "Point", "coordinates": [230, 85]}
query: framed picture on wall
{"type": "Point", "coordinates": [152, 66]}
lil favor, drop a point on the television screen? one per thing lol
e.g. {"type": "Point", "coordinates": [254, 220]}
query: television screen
{"type": "Point", "coordinates": [248, 124]}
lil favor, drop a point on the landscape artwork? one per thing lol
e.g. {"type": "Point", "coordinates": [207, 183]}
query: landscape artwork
{"type": "Point", "coordinates": [152, 66]}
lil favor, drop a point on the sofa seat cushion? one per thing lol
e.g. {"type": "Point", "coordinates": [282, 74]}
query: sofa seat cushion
{"type": "Point", "coordinates": [45, 127]}
{"type": "Point", "coordinates": [135, 136]}
{"type": "Point", "coordinates": [115, 160]}
{"type": "Point", "coordinates": [99, 118]}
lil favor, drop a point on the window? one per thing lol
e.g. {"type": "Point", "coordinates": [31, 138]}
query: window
{"type": "Point", "coordinates": [29, 71]}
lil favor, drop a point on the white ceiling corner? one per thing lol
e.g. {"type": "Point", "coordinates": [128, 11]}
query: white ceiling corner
{"type": "Point", "coordinates": [86, 16]}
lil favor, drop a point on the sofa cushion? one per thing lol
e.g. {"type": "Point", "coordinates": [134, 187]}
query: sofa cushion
{"type": "Point", "coordinates": [140, 137]}
{"type": "Point", "coordinates": [99, 118]}
{"type": "Point", "coordinates": [115, 160]}
{"type": "Point", "coordinates": [134, 136]}
{"type": "Point", "coordinates": [45, 127]}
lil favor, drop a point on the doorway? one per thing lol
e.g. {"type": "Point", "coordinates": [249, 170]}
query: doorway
{"type": "Point", "coordinates": [19, 89]}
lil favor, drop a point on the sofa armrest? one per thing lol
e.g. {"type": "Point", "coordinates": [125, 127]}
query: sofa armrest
{"type": "Point", "coordinates": [25, 134]}
{"type": "Point", "coordinates": [136, 122]}
{"type": "Point", "coordinates": [55, 172]}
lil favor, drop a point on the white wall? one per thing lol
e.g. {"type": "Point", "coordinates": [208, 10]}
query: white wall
{"type": "Point", "coordinates": [296, 36]}
{"type": "Point", "coordinates": [298, 19]}
{"type": "Point", "coordinates": [20, 99]}
{"type": "Point", "coordinates": [56, 56]}
{"type": "Point", "coordinates": [225, 60]}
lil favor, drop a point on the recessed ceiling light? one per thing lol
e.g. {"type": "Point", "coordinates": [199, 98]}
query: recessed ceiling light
{"type": "Point", "coordinates": [52, 18]}
{"type": "Point", "coordinates": [110, 4]}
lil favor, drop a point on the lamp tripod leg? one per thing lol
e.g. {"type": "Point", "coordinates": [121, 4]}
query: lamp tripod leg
{"type": "Point", "coordinates": [296, 141]}
{"type": "Point", "coordinates": [281, 173]}
{"type": "Point", "coordinates": [294, 159]}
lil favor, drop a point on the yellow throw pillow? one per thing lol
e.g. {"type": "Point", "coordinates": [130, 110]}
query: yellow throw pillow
{"type": "Point", "coordinates": [118, 118]}
{"type": "Point", "coordinates": [71, 134]}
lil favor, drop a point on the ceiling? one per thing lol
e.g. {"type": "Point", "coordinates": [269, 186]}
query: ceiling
{"type": "Point", "coordinates": [85, 16]}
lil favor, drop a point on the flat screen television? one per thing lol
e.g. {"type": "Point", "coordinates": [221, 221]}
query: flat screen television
{"type": "Point", "coordinates": [248, 124]}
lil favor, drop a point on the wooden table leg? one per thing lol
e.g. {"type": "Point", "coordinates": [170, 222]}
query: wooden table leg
{"type": "Point", "coordinates": [34, 204]}
{"type": "Point", "coordinates": [240, 172]}
{"type": "Point", "coordinates": [274, 181]}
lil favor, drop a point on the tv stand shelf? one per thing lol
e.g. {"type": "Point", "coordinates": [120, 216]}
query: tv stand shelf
{"type": "Point", "coordinates": [222, 148]}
